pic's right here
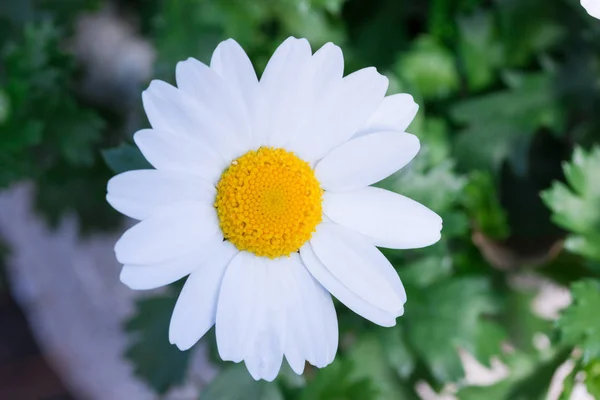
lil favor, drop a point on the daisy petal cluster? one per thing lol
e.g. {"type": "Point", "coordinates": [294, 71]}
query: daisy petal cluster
{"type": "Point", "coordinates": [261, 196]}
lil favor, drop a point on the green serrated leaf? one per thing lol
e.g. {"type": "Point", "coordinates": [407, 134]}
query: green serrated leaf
{"type": "Point", "coordinates": [579, 324]}
{"type": "Point", "coordinates": [125, 158]}
{"type": "Point", "coordinates": [236, 383]}
{"type": "Point", "coordinates": [576, 207]}
{"type": "Point", "coordinates": [500, 123]}
{"type": "Point", "coordinates": [160, 364]}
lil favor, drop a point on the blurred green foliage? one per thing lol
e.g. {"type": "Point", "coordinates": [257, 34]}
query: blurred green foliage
{"type": "Point", "coordinates": [509, 92]}
{"type": "Point", "coordinates": [48, 134]}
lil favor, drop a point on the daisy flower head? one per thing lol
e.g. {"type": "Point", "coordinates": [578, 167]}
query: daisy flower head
{"type": "Point", "coordinates": [592, 7]}
{"type": "Point", "coordinates": [261, 194]}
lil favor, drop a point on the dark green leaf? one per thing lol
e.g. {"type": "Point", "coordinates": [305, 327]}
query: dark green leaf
{"type": "Point", "coordinates": [160, 364]}
{"type": "Point", "coordinates": [125, 158]}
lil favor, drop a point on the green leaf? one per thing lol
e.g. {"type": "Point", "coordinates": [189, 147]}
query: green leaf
{"type": "Point", "coordinates": [448, 316]}
{"type": "Point", "coordinates": [483, 204]}
{"type": "Point", "coordinates": [397, 353]}
{"type": "Point", "coordinates": [368, 355]}
{"type": "Point", "coordinates": [488, 341]}
{"type": "Point", "coordinates": [236, 383]}
{"type": "Point", "coordinates": [521, 322]}
{"type": "Point", "coordinates": [503, 122]}
{"type": "Point", "coordinates": [125, 158]}
{"type": "Point", "coordinates": [579, 324]}
{"type": "Point", "coordinates": [576, 207]}
{"type": "Point", "coordinates": [430, 68]}
{"type": "Point", "coordinates": [592, 378]}
{"type": "Point", "coordinates": [160, 364]}
{"type": "Point", "coordinates": [339, 381]}
{"type": "Point", "coordinates": [479, 50]}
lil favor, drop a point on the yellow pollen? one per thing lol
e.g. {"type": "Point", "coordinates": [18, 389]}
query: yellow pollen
{"type": "Point", "coordinates": [269, 202]}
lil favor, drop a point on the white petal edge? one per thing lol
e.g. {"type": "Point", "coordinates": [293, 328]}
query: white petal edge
{"type": "Point", "coordinates": [231, 62]}
{"type": "Point", "coordinates": [330, 282]}
{"type": "Point", "coordinates": [142, 193]}
{"type": "Point", "coordinates": [343, 110]}
{"type": "Point", "coordinates": [395, 113]}
{"type": "Point", "coordinates": [196, 308]}
{"type": "Point", "coordinates": [388, 219]}
{"type": "Point", "coordinates": [152, 276]}
{"type": "Point", "coordinates": [311, 322]}
{"type": "Point", "coordinates": [357, 264]}
{"type": "Point", "coordinates": [286, 87]}
{"type": "Point", "coordinates": [592, 7]}
{"type": "Point", "coordinates": [208, 88]}
{"type": "Point", "coordinates": [172, 110]}
{"type": "Point", "coordinates": [168, 234]}
{"type": "Point", "coordinates": [169, 152]}
{"type": "Point", "coordinates": [365, 160]}
{"type": "Point", "coordinates": [246, 326]}
{"type": "Point", "coordinates": [325, 72]}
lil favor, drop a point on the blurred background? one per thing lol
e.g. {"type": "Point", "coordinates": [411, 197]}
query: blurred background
{"type": "Point", "coordinates": [505, 306]}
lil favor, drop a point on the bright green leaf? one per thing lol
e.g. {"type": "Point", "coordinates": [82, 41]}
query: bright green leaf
{"type": "Point", "coordinates": [577, 207]}
{"type": "Point", "coordinates": [579, 324]}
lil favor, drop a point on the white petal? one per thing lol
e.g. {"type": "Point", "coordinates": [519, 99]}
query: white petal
{"type": "Point", "coordinates": [196, 307]}
{"type": "Point", "coordinates": [236, 306]}
{"type": "Point", "coordinates": [365, 160]}
{"type": "Point", "coordinates": [342, 293]}
{"type": "Point", "coordinates": [172, 232]}
{"type": "Point", "coordinates": [171, 110]}
{"type": "Point", "coordinates": [311, 327]}
{"type": "Point", "coordinates": [264, 348]}
{"type": "Point", "coordinates": [206, 86]}
{"type": "Point", "coordinates": [247, 323]}
{"type": "Point", "coordinates": [170, 152]}
{"type": "Point", "coordinates": [230, 61]}
{"type": "Point", "coordinates": [323, 74]}
{"type": "Point", "coordinates": [592, 7]}
{"type": "Point", "coordinates": [354, 261]}
{"type": "Point", "coordinates": [145, 277]}
{"type": "Point", "coordinates": [395, 113]}
{"type": "Point", "coordinates": [142, 193]}
{"type": "Point", "coordinates": [328, 65]}
{"type": "Point", "coordinates": [386, 218]}
{"type": "Point", "coordinates": [285, 85]}
{"type": "Point", "coordinates": [344, 110]}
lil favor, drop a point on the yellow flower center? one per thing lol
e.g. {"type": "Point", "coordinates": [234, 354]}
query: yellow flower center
{"type": "Point", "coordinates": [269, 202]}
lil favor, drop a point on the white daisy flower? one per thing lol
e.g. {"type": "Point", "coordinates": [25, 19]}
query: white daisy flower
{"type": "Point", "coordinates": [261, 195]}
{"type": "Point", "coordinates": [592, 7]}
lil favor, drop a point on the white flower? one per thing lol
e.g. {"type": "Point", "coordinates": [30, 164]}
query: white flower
{"type": "Point", "coordinates": [261, 194]}
{"type": "Point", "coordinates": [592, 7]}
